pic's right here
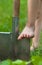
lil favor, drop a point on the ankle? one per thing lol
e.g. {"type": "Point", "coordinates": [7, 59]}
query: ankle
{"type": "Point", "coordinates": [31, 27]}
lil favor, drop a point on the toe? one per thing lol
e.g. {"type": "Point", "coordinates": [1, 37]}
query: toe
{"type": "Point", "coordinates": [24, 35]}
{"type": "Point", "coordinates": [20, 36]}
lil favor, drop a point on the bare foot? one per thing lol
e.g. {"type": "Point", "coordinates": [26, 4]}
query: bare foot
{"type": "Point", "coordinates": [27, 32]}
{"type": "Point", "coordinates": [33, 46]}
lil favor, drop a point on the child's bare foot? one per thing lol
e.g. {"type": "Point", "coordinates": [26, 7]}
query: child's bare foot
{"type": "Point", "coordinates": [27, 32]}
{"type": "Point", "coordinates": [33, 46]}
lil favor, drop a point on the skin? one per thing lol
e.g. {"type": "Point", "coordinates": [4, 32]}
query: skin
{"type": "Point", "coordinates": [38, 27]}
{"type": "Point", "coordinates": [32, 27]}
{"type": "Point", "coordinates": [35, 40]}
{"type": "Point", "coordinates": [32, 16]}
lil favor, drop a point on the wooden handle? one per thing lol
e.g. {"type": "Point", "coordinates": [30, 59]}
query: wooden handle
{"type": "Point", "coordinates": [16, 8]}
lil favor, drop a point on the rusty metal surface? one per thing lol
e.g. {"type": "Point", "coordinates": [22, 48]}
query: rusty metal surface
{"type": "Point", "coordinates": [12, 48]}
{"type": "Point", "coordinates": [24, 49]}
{"type": "Point", "coordinates": [5, 44]}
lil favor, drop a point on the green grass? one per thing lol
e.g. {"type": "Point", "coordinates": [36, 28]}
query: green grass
{"type": "Point", "coordinates": [5, 15]}
{"type": "Point", "coordinates": [23, 14]}
{"type": "Point", "coordinates": [36, 60]}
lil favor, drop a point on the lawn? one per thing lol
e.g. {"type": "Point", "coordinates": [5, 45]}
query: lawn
{"type": "Point", "coordinates": [6, 20]}
{"type": "Point", "coordinates": [6, 14]}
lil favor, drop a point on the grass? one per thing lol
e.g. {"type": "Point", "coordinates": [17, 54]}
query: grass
{"type": "Point", "coordinates": [36, 60]}
{"type": "Point", "coordinates": [5, 15]}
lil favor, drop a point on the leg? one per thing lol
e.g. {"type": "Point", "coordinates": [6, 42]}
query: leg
{"type": "Point", "coordinates": [38, 23]}
{"type": "Point", "coordinates": [35, 40]}
{"type": "Point", "coordinates": [32, 14]}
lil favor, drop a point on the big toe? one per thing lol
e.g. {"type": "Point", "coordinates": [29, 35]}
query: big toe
{"type": "Point", "coordinates": [20, 36]}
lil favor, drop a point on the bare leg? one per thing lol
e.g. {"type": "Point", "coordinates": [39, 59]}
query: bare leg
{"type": "Point", "coordinates": [32, 14]}
{"type": "Point", "coordinates": [35, 41]}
